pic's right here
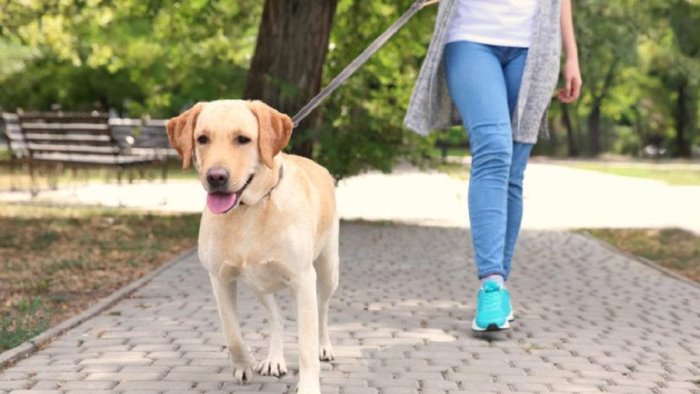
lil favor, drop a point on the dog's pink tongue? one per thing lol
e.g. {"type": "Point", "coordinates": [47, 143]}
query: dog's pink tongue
{"type": "Point", "coordinates": [220, 202]}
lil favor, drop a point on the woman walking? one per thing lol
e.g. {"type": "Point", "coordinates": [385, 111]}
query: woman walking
{"type": "Point", "coordinates": [492, 66]}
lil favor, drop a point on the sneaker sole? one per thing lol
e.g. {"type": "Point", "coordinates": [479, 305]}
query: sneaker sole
{"type": "Point", "coordinates": [491, 327]}
{"type": "Point", "coordinates": [511, 317]}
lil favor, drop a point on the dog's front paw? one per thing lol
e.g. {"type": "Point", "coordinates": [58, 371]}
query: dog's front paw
{"type": "Point", "coordinates": [272, 366]}
{"type": "Point", "coordinates": [242, 363]}
{"type": "Point", "coordinates": [242, 375]}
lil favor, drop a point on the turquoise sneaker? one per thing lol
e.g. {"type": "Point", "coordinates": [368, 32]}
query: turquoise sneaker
{"type": "Point", "coordinates": [507, 305]}
{"type": "Point", "coordinates": [491, 315]}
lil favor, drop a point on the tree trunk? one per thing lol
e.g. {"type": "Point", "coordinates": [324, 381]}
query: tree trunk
{"type": "Point", "coordinates": [594, 129]}
{"type": "Point", "coordinates": [287, 66]}
{"type": "Point", "coordinates": [570, 134]}
{"type": "Point", "coordinates": [595, 114]}
{"type": "Point", "coordinates": [683, 123]}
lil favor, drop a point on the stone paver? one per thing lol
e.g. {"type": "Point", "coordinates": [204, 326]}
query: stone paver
{"type": "Point", "coordinates": [588, 320]}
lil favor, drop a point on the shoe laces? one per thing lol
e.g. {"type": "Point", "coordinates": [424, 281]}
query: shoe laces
{"type": "Point", "coordinates": [492, 298]}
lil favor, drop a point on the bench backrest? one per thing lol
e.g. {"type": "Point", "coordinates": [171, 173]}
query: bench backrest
{"type": "Point", "coordinates": [57, 135]}
{"type": "Point", "coordinates": [153, 135]}
{"type": "Point", "coordinates": [123, 130]}
{"type": "Point", "coordinates": [142, 137]}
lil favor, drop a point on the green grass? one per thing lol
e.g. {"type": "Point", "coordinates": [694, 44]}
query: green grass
{"type": "Point", "coordinates": [669, 173]}
{"type": "Point", "coordinates": [56, 261]}
{"type": "Point", "coordinates": [675, 249]}
{"type": "Point", "coordinates": [455, 170]}
{"type": "Point", "coordinates": [20, 179]}
{"type": "Point", "coordinates": [451, 152]}
{"type": "Point", "coordinates": [660, 172]}
{"type": "Point", "coordinates": [26, 321]}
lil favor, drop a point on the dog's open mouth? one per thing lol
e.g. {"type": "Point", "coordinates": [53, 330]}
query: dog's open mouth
{"type": "Point", "coordinates": [222, 202]}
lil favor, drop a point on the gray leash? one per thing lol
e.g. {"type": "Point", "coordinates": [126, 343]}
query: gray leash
{"type": "Point", "coordinates": [360, 60]}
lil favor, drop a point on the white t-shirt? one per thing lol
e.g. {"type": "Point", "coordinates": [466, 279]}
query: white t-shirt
{"type": "Point", "coordinates": [493, 22]}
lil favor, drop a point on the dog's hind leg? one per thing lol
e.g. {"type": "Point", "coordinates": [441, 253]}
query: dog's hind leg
{"type": "Point", "coordinates": [327, 266]}
{"type": "Point", "coordinates": [274, 364]}
{"type": "Point", "coordinates": [241, 358]}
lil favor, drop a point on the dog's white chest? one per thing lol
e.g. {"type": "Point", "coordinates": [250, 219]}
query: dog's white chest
{"type": "Point", "coordinates": [262, 271]}
{"type": "Point", "coordinates": [268, 277]}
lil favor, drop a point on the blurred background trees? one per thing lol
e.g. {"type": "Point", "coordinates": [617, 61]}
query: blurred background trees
{"type": "Point", "coordinates": [640, 63]}
{"type": "Point", "coordinates": [640, 67]}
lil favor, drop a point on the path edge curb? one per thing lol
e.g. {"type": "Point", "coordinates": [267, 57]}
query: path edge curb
{"type": "Point", "coordinates": [640, 259]}
{"type": "Point", "coordinates": [34, 344]}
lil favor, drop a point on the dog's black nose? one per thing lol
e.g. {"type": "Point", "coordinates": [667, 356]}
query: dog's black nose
{"type": "Point", "coordinates": [217, 177]}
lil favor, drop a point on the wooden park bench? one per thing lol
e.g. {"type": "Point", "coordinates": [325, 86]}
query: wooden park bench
{"type": "Point", "coordinates": [16, 147]}
{"type": "Point", "coordinates": [144, 138]}
{"type": "Point", "coordinates": [69, 140]}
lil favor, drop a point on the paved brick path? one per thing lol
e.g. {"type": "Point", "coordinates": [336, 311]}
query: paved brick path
{"type": "Point", "coordinates": [588, 320]}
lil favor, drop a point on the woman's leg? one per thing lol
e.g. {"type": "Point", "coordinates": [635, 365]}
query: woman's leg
{"type": "Point", "coordinates": [477, 85]}
{"type": "Point", "coordinates": [521, 153]}
{"type": "Point", "coordinates": [513, 72]}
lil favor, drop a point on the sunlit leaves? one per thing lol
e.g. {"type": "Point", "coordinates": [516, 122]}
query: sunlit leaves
{"type": "Point", "coordinates": [180, 51]}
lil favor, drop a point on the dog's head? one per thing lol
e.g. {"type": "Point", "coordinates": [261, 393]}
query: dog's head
{"type": "Point", "coordinates": [231, 142]}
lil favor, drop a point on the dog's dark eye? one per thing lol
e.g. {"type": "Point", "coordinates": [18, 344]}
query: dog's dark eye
{"type": "Point", "coordinates": [241, 139]}
{"type": "Point", "coordinates": [202, 139]}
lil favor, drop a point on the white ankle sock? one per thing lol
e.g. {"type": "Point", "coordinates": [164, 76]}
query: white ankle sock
{"type": "Point", "coordinates": [495, 277]}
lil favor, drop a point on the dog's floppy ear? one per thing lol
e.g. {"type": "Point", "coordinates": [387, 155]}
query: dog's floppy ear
{"type": "Point", "coordinates": [181, 133]}
{"type": "Point", "coordinates": [274, 130]}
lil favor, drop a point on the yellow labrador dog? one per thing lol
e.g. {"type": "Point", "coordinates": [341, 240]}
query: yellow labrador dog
{"type": "Point", "coordinates": [270, 221]}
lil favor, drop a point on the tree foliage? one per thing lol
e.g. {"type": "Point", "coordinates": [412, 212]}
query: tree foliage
{"type": "Point", "coordinates": [640, 66]}
{"type": "Point", "coordinates": [631, 55]}
{"type": "Point", "coordinates": [137, 57]}
{"type": "Point", "coordinates": [362, 125]}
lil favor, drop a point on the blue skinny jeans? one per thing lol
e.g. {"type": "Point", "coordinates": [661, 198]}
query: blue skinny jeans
{"type": "Point", "coordinates": [484, 81]}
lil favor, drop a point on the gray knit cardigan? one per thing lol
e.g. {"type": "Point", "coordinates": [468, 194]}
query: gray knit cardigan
{"type": "Point", "coordinates": [431, 106]}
